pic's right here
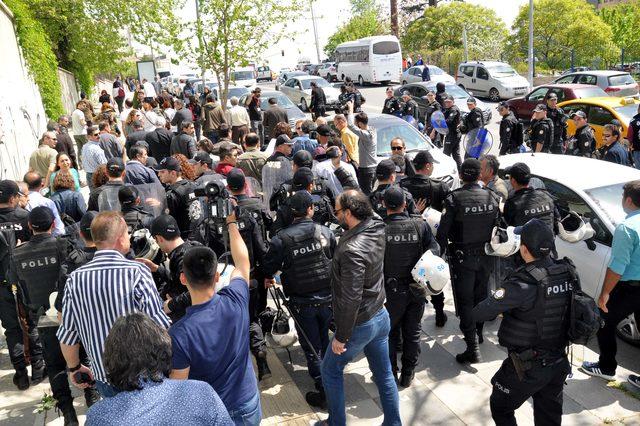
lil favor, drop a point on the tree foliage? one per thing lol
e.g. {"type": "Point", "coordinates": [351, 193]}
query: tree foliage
{"type": "Point", "coordinates": [624, 21]}
{"type": "Point", "coordinates": [562, 25]}
{"type": "Point", "coordinates": [363, 25]}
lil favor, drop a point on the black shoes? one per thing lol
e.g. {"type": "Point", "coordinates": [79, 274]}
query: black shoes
{"type": "Point", "coordinates": [472, 354]}
{"type": "Point", "coordinates": [37, 373]}
{"type": "Point", "coordinates": [263, 368]}
{"type": "Point", "coordinates": [69, 414]}
{"type": "Point", "coordinates": [91, 396]}
{"type": "Point", "coordinates": [316, 399]}
{"type": "Point", "coordinates": [21, 379]}
{"type": "Point", "coordinates": [441, 318]}
{"type": "Point", "coordinates": [479, 333]}
{"type": "Point", "coordinates": [406, 378]}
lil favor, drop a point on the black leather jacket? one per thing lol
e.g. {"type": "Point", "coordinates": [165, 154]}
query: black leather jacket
{"type": "Point", "coordinates": [357, 277]}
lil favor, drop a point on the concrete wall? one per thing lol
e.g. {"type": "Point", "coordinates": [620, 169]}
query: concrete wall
{"type": "Point", "coordinates": [70, 92]}
{"type": "Point", "coordinates": [22, 117]}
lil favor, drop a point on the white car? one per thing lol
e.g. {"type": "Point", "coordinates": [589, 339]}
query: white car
{"type": "Point", "coordinates": [593, 189]}
{"type": "Point", "coordinates": [243, 77]}
{"type": "Point", "coordinates": [298, 89]}
{"type": "Point", "coordinates": [494, 80]}
{"type": "Point", "coordinates": [437, 74]}
{"type": "Point", "coordinates": [329, 71]}
{"type": "Point", "coordinates": [264, 73]}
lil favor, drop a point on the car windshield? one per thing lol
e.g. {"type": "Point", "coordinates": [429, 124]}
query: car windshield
{"type": "Point", "coordinates": [627, 111]}
{"type": "Point", "coordinates": [283, 101]}
{"type": "Point", "coordinates": [413, 140]}
{"type": "Point", "coordinates": [590, 92]}
{"type": "Point", "coordinates": [321, 82]}
{"type": "Point", "coordinates": [621, 80]}
{"type": "Point", "coordinates": [435, 71]}
{"type": "Point", "coordinates": [242, 75]}
{"type": "Point", "coordinates": [499, 71]}
{"type": "Point", "coordinates": [609, 199]}
{"type": "Point", "coordinates": [456, 91]}
{"type": "Point", "coordinates": [237, 92]}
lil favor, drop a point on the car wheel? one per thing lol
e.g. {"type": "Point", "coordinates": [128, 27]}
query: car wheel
{"type": "Point", "coordinates": [360, 81]}
{"type": "Point", "coordinates": [494, 95]}
{"type": "Point", "coordinates": [627, 330]}
{"type": "Point", "coordinates": [303, 105]}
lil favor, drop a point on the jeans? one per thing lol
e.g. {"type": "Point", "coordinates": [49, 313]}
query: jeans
{"type": "Point", "coordinates": [636, 158]}
{"type": "Point", "coordinates": [314, 320]}
{"type": "Point", "coordinates": [258, 128]}
{"type": "Point", "coordinates": [249, 413]}
{"type": "Point", "coordinates": [366, 178]}
{"type": "Point", "coordinates": [105, 389]}
{"type": "Point", "coordinates": [372, 338]}
{"type": "Point", "coordinates": [212, 135]}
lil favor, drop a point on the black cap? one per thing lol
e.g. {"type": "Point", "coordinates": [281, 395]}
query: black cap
{"type": "Point", "coordinates": [324, 130]}
{"type": "Point", "coordinates": [386, 168]}
{"type": "Point", "coordinates": [470, 169]}
{"type": "Point", "coordinates": [406, 93]}
{"type": "Point", "coordinates": [235, 179]}
{"type": "Point", "coordinates": [333, 152]}
{"type": "Point", "coordinates": [537, 236]}
{"type": "Point", "coordinates": [302, 158]}
{"type": "Point", "coordinates": [449, 98]}
{"type": "Point", "coordinates": [503, 104]}
{"type": "Point", "coordinates": [202, 157]}
{"type": "Point", "coordinates": [300, 201]}
{"type": "Point", "coordinates": [169, 163]}
{"type": "Point", "coordinates": [471, 100]}
{"type": "Point", "coordinates": [302, 178]}
{"type": "Point", "coordinates": [8, 188]}
{"type": "Point", "coordinates": [115, 165]}
{"type": "Point", "coordinates": [165, 226]}
{"type": "Point", "coordinates": [579, 113]}
{"type": "Point", "coordinates": [540, 108]}
{"type": "Point", "coordinates": [520, 172]}
{"type": "Point", "coordinates": [127, 195]}
{"type": "Point", "coordinates": [283, 140]}
{"type": "Point", "coordinates": [41, 218]}
{"type": "Point", "coordinates": [422, 158]}
{"type": "Point", "coordinates": [552, 95]}
{"type": "Point", "coordinates": [85, 222]}
{"type": "Point", "coordinates": [394, 197]}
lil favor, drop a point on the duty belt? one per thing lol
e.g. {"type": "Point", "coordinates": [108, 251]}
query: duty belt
{"type": "Point", "coordinates": [470, 250]}
{"type": "Point", "coordinates": [632, 283]}
{"type": "Point", "coordinates": [525, 360]}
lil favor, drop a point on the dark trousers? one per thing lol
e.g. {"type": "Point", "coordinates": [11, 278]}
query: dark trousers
{"type": "Point", "coordinates": [452, 149]}
{"type": "Point", "coordinates": [56, 366]}
{"type": "Point", "coordinates": [437, 301]}
{"type": "Point", "coordinates": [543, 383]}
{"type": "Point", "coordinates": [314, 320]}
{"type": "Point", "coordinates": [557, 149]}
{"type": "Point", "coordinates": [13, 332]}
{"type": "Point", "coordinates": [405, 313]}
{"type": "Point", "coordinates": [198, 127]}
{"type": "Point", "coordinates": [256, 336]}
{"type": "Point", "coordinates": [469, 281]}
{"type": "Point", "coordinates": [238, 133]}
{"type": "Point", "coordinates": [81, 140]}
{"type": "Point", "coordinates": [623, 301]}
{"type": "Point", "coordinates": [366, 178]}
{"type": "Point", "coordinates": [212, 135]}
{"type": "Point", "coordinates": [119, 101]}
{"type": "Point", "coordinates": [318, 111]}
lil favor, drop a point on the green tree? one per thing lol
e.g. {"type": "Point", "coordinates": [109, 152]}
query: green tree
{"type": "Point", "coordinates": [624, 21]}
{"type": "Point", "coordinates": [363, 25]}
{"type": "Point", "coordinates": [559, 27]}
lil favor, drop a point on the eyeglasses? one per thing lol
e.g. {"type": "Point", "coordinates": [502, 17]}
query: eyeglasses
{"type": "Point", "coordinates": [338, 211]}
{"type": "Point", "coordinates": [397, 148]}
{"type": "Point", "coordinates": [95, 134]}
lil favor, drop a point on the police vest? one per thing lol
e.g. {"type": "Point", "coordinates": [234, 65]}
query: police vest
{"type": "Point", "coordinates": [253, 206]}
{"type": "Point", "coordinates": [422, 189]}
{"type": "Point", "coordinates": [7, 245]}
{"type": "Point", "coordinates": [545, 325]}
{"type": "Point", "coordinates": [475, 216]}
{"type": "Point", "coordinates": [246, 225]}
{"type": "Point", "coordinates": [135, 220]}
{"type": "Point", "coordinates": [403, 249]}
{"type": "Point", "coordinates": [37, 266]}
{"type": "Point", "coordinates": [183, 204]}
{"type": "Point", "coordinates": [533, 203]}
{"type": "Point", "coordinates": [307, 261]}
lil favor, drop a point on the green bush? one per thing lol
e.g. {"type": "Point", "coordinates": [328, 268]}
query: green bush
{"type": "Point", "coordinates": [41, 61]}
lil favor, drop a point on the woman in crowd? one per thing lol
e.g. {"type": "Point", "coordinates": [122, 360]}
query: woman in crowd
{"type": "Point", "coordinates": [69, 202]}
{"type": "Point", "coordinates": [134, 114]}
{"type": "Point", "coordinates": [63, 163]}
{"type": "Point", "coordinates": [185, 167]}
{"type": "Point", "coordinates": [148, 117]}
{"type": "Point", "coordinates": [109, 114]}
{"type": "Point", "coordinates": [100, 177]}
{"type": "Point", "coordinates": [206, 145]}
{"type": "Point", "coordinates": [104, 97]}
{"type": "Point", "coordinates": [196, 110]}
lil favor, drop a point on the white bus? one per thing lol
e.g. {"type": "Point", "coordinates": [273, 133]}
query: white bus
{"type": "Point", "coordinates": [370, 60]}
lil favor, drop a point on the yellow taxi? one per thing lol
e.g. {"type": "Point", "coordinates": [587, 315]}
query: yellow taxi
{"type": "Point", "coordinates": [601, 111]}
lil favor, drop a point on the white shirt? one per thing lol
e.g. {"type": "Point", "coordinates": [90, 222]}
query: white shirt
{"type": "Point", "coordinates": [238, 116]}
{"type": "Point", "coordinates": [124, 114]}
{"type": "Point", "coordinates": [149, 90]}
{"type": "Point", "coordinates": [78, 124]}
{"type": "Point", "coordinates": [326, 170]}
{"type": "Point", "coordinates": [149, 120]}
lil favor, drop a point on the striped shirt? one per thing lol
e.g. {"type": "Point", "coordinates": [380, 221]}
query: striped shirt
{"type": "Point", "coordinates": [98, 293]}
{"type": "Point", "coordinates": [92, 156]}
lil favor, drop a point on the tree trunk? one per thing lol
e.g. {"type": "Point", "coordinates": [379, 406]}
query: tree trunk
{"type": "Point", "coordinates": [393, 5]}
{"type": "Point", "coordinates": [433, 3]}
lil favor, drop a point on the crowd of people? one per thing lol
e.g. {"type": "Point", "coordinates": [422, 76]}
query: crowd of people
{"type": "Point", "coordinates": [148, 317]}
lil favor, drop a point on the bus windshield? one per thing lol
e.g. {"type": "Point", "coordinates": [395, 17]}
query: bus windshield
{"type": "Point", "coordinates": [386, 48]}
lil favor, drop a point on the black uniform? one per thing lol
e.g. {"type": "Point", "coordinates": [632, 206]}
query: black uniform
{"type": "Point", "coordinates": [472, 120]}
{"type": "Point", "coordinates": [452, 139]}
{"type": "Point", "coordinates": [180, 197]}
{"type": "Point", "coordinates": [534, 301]}
{"type": "Point", "coordinates": [318, 102]}
{"type": "Point", "coordinates": [14, 226]}
{"type": "Point", "coordinates": [377, 197]}
{"type": "Point", "coordinates": [509, 142]}
{"type": "Point", "coordinates": [136, 218]}
{"type": "Point", "coordinates": [303, 252]}
{"type": "Point", "coordinates": [429, 110]}
{"type": "Point", "coordinates": [391, 106]}
{"type": "Point", "coordinates": [411, 108]}
{"type": "Point", "coordinates": [559, 120]}
{"type": "Point", "coordinates": [78, 256]}
{"type": "Point", "coordinates": [422, 187]}
{"type": "Point", "coordinates": [528, 203]}
{"type": "Point", "coordinates": [469, 216]}
{"type": "Point", "coordinates": [541, 132]}
{"type": "Point", "coordinates": [583, 143]}
{"type": "Point", "coordinates": [407, 238]}
{"type": "Point", "coordinates": [322, 204]}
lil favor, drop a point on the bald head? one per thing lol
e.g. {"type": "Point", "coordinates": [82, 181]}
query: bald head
{"type": "Point", "coordinates": [109, 232]}
{"type": "Point", "coordinates": [49, 138]}
{"type": "Point", "coordinates": [33, 180]}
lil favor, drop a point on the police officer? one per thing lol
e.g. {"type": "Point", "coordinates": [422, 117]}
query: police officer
{"type": "Point", "coordinates": [534, 301]}
{"type": "Point", "coordinates": [14, 227]}
{"type": "Point", "coordinates": [559, 120]}
{"type": "Point", "coordinates": [386, 173]}
{"type": "Point", "coordinates": [469, 216]}
{"type": "Point", "coordinates": [303, 252]}
{"type": "Point", "coordinates": [582, 143]}
{"type": "Point", "coordinates": [473, 119]}
{"type": "Point", "coordinates": [35, 268]}
{"type": "Point", "coordinates": [432, 106]}
{"type": "Point", "coordinates": [452, 139]}
{"type": "Point", "coordinates": [407, 238]}
{"type": "Point", "coordinates": [509, 142]}
{"type": "Point", "coordinates": [134, 215]}
{"type": "Point", "coordinates": [527, 203]}
{"type": "Point", "coordinates": [409, 106]}
{"type": "Point", "coordinates": [180, 196]}
{"type": "Point", "coordinates": [633, 136]}
{"type": "Point", "coordinates": [541, 130]}
{"type": "Point", "coordinates": [391, 104]}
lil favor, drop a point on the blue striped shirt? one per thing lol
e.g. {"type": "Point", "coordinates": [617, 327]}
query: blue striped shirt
{"type": "Point", "coordinates": [98, 293]}
{"type": "Point", "coordinates": [92, 156]}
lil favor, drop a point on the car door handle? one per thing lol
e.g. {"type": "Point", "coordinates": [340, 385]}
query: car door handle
{"type": "Point", "coordinates": [473, 80]}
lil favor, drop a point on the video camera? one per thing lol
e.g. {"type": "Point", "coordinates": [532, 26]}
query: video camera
{"type": "Point", "coordinates": [219, 205]}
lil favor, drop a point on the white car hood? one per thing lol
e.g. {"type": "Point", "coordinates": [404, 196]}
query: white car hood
{"type": "Point", "coordinates": [514, 81]}
{"type": "Point", "coordinates": [331, 93]}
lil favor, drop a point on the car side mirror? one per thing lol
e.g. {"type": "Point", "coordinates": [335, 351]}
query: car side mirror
{"type": "Point", "coordinates": [591, 245]}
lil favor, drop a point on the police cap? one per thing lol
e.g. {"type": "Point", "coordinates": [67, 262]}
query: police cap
{"type": "Point", "coordinates": [520, 172]}
{"type": "Point", "coordinates": [324, 130]}
{"type": "Point", "coordinates": [333, 152]}
{"type": "Point", "coordinates": [165, 226]}
{"type": "Point", "coordinates": [470, 169]}
{"type": "Point", "coordinates": [580, 114]}
{"type": "Point", "coordinates": [115, 165]}
{"type": "Point", "coordinates": [386, 168]}
{"type": "Point", "coordinates": [540, 108]}
{"type": "Point", "coordinates": [471, 100]}
{"type": "Point", "coordinates": [202, 157]}
{"type": "Point", "coordinates": [235, 179]}
{"type": "Point", "coordinates": [283, 140]}
{"type": "Point", "coordinates": [302, 178]}
{"type": "Point", "coordinates": [537, 237]}
{"type": "Point", "coordinates": [303, 158]}
{"type": "Point", "coordinates": [8, 189]}
{"type": "Point", "coordinates": [127, 195]}
{"type": "Point", "coordinates": [169, 163]}
{"type": "Point", "coordinates": [422, 158]}
{"type": "Point", "coordinates": [300, 202]}
{"type": "Point", "coordinates": [394, 197]}
{"type": "Point", "coordinates": [41, 218]}
{"type": "Point", "coordinates": [85, 223]}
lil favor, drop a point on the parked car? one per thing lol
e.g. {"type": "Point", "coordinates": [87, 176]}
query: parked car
{"type": "Point", "coordinates": [419, 91]}
{"type": "Point", "coordinates": [597, 198]}
{"type": "Point", "coordinates": [329, 71]}
{"type": "Point", "coordinates": [298, 89]}
{"type": "Point", "coordinates": [283, 77]}
{"type": "Point", "coordinates": [313, 69]}
{"type": "Point", "coordinates": [243, 77]}
{"type": "Point", "coordinates": [494, 80]}
{"type": "Point", "coordinates": [601, 111]}
{"type": "Point", "coordinates": [615, 83]}
{"type": "Point", "coordinates": [293, 112]}
{"type": "Point", "coordinates": [264, 73]}
{"type": "Point", "coordinates": [414, 75]}
{"type": "Point", "coordinates": [575, 69]}
{"type": "Point", "coordinates": [523, 106]}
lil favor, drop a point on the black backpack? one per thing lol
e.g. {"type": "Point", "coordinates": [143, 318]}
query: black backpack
{"type": "Point", "coordinates": [519, 134]}
{"type": "Point", "coordinates": [584, 314]}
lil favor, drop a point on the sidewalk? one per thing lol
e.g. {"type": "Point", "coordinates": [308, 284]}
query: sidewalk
{"type": "Point", "coordinates": [443, 392]}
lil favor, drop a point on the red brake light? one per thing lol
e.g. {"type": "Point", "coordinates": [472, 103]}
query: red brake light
{"type": "Point", "coordinates": [612, 89]}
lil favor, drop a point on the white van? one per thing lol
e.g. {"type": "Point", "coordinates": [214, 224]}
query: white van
{"type": "Point", "coordinates": [243, 77]}
{"type": "Point", "coordinates": [494, 80]}
{"type": "Point", "coordinates": [376, 59]}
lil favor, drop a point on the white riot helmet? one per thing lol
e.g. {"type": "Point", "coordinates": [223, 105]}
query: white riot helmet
{"type": "Point", "coordinates": [504, 242]}
{"type": "Point", "coordinates": [432, 216]}
{"type": "Point", "coordinates": [431, 273]}
{"type": "Point", "coordinates": [283, 331]}
{"type": "Point", "coordinates": [144, 245]}
{"type": "Point", "coordinates": [573, 229]}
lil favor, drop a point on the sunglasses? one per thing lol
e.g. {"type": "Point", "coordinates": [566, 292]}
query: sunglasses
{"type": "Point", "coordinates": [397, 148]}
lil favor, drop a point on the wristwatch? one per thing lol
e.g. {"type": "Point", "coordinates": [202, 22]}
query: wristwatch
{"type": "Point", "coordinates": [74, 369]}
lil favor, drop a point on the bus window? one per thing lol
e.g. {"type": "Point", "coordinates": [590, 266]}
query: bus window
{"type": "Point", "coordinates": [386, 48]}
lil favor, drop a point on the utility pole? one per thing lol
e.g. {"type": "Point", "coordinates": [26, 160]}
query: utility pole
{"type": "Point", "coordinates": [315, 31]}
{"type": "Point", "coordinates": [200, 45]}
{"type": "Point", "coordinates": [393, 5]}
{"type": "Point", "coordinates": [531, 58]}
{"type": "Point", "coordinates": [464, 43]}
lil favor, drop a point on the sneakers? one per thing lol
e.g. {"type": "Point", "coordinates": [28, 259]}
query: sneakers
{"type": "Point", "coordinates": [593, 369]}
{"type": "Point", "coordinates": [441, 318]}
{"type": "Point", "coordinates": [91, 396]}
{"type": "Point", "coordinates": [634, 380]}
{"type": "Point", "coordinates": [406, 378]}
{"type": "Point", "coordinates": [264, 372]}
{"type": "Point", "coordinates": [21, 379]}
{"type": "Point", "coordinates": [316, 399]}
{"type": "Point", "coordinates": [37, 373]}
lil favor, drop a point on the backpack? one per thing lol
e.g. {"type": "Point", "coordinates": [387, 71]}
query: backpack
{"type": "Point", "coordinates": [7, 244]}
{"type": "Point", "coordinates": [519, 134]}
{"type": "Point", "coordinates": [584, 315]}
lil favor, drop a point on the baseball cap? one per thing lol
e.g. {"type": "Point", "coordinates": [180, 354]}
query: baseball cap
{"type": "Point", "coordinates": [537, 236]}
{"type": "Point", "coordinates": [540, 107]}
{"type": "Point", "coordinates": [519, 171]}
{"type": "Point", "coordinates": [470, 169]}
{"type": "Point", "coordinates": [168, 163]}
{"type": "Point", "coordinates": [333, 152]}
{"type": "Point", "coordinates": [449, 98]}
{"type": "Point", "coordinates": [202, 157]}
{"type": "Point", "coordinates": [422, 158]}
{"type": "Point", "coordinates": [127, 194]}
{"type": "Point", "coordinates": [283, 140]}
{"type": "Point", "coordinates": [165, 226]}
{"type": "Point", "coordinates": [503, 104]}
{"type": "Point", "coordinates": [8, 188]}
{"type": "Point", "coordinates": [41, 218]}
{"type": "Point", "coordinates": [300, 201]}
{"type": "Point", "coordinates": [552, 96]}
{"type": "Point", "coordinates": [471, 100]}
{"type": "Point", "coordinates": [406, 93]}
{"type": "Point", "coordinates": [302, 178]}
{"type": "Point", "coordinates": [235, 179]}
{"type": "Point", "coordinates": [85, 222]}
{"type": "Point", "coordinates": [303, 158]}
{"type": "Point", "coordinates": [324, 130]}
{"type": "Point", "coordinates": [386, 168]}
{"type": "Point", "coordinates": [394, 197]}
{"type": "Point", "coordinates": [115, 165]}
{"type": "Point", "coordinates": [579, 113]}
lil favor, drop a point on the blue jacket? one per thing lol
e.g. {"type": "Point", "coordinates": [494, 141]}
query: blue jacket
{"type": "Point", "coordinates": [304, 142]}
{"type": "Point", "coordinates": [137, 173]}
{"type": "Point", "coordinates": [616, 153]}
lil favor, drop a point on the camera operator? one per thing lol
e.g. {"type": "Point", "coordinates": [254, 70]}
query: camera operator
{"type": "Point", "coordinates": [180, 193]}
{"type": "Point", "coordinates": [134, 215]}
